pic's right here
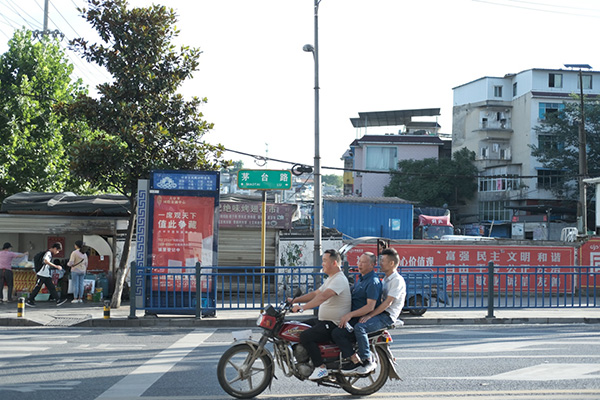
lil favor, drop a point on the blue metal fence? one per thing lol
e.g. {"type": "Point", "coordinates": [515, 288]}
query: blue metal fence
{"type": "Point", "coordinates": [172, 290]}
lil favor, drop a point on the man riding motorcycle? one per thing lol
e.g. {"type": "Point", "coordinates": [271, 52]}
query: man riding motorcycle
{"type": "Point", "coordinates": [333, 299]}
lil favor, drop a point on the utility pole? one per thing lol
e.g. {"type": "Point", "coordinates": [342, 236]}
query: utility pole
{"type": "Point", "coordinates": [582, 203]}
{"type": "Point", "coordinates": [45, 31]}
{"type": "Point", "coordinates": [582, 161]}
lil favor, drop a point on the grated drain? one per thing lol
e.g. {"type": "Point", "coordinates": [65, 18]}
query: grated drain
{"type": "Point", "coordinates": [68, 321]}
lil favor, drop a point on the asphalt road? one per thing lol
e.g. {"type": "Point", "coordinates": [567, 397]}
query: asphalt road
{"type": "Point", "coordinates": [438, 362]}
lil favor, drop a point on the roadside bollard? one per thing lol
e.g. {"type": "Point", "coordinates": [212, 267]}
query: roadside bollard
{"type": "Point", "coordinates": [20, 307]}
{"type": "Point", "coordinates": [107, 309]}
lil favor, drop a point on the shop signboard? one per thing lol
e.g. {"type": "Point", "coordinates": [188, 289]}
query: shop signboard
{"type": "Point", "coordinates": [249, 215]}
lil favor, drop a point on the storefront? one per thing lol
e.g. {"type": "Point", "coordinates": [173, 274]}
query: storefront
{"type": "Point", "coordinates": [31, 222]}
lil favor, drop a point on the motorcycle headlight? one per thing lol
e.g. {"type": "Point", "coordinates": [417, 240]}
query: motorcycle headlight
{"type": "Point", "coordinates": [266, 321]}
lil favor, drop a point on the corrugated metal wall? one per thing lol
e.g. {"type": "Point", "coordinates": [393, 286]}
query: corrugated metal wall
{"type": "Point", "coordinates": [241, 247]}
{"type": "Point", "coordinates": [390, 220]}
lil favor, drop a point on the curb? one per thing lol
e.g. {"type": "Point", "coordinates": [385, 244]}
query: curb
{"type": "Point", "coordinates": [251, 322]}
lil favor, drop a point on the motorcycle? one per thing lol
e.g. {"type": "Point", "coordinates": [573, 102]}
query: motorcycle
{"type": "Point", "coordinates": [247, 368]}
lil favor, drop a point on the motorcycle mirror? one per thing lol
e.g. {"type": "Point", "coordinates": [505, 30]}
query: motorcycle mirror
{"type": "Point", "coordinates": [298, 292]}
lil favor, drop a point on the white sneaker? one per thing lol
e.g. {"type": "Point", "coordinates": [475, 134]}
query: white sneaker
{"type": "Point", "coordinates": [318, 373]}
{"type": "Point", "coordinates": [367, 367]}
{"type": "Point", "coordinates": [74, 301]}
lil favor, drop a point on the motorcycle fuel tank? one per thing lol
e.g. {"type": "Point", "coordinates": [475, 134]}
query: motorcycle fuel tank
{"type": "Point", "coordinates": [291, 331]}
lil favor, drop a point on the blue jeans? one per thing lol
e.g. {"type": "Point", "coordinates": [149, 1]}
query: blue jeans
{"type": "Point", "coordinates": [361, 330]}
{"type": "Point", "coordinates": [77, 282]}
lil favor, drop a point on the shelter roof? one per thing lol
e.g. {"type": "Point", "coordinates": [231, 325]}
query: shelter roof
{"type": "Point", "coordinates": [391, 118]}
{"type": "Point", "coordinates": [66, 203]}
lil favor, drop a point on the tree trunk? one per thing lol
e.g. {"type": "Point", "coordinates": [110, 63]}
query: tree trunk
{"type": "Point", "coordinates": [123, 269]}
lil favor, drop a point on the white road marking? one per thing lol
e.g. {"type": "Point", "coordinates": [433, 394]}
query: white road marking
{"type": "Point", "coordinates": [541, 372]}
{"type": "Point", "coordinates": [551, 372]}
{"type": "Point", "coordinates": [137, 382]}
{"type": "Point", "coordinates": [34, 387]}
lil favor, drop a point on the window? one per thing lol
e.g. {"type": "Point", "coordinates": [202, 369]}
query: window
{"type": "Point", "coordinates": [485, 152]}
{"type": "Point", "coordinates": [549, 108]}
{"type": "Point", "coordinates": [587, 82]}
{"type": "Point", "coordinates": [494, 211]}
{"type": "Point", "coordinates": [549, 178]}
{"type": "Point", "coordinates": [555, 80]}
{"type": "Point", "coordinates": [515, 89]}
{"type": "Point", "coordinates": [498, 184]}
{"type": "Point", "coordinates": [497, 91]}
{"type": "Point", "coordinates": [484, 123]}
{"type": "Point", "coordinates": [382, 158]}
{"type": "Point", "coordinates": [550, 142]}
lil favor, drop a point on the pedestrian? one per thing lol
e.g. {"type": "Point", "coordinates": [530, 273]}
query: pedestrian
{"type": "Point", "coordinates": [78, 263]}
{"type": "Point", "coordinates": [44, 277]}
{"type": "Point", "coordinates": [6, 274]}
{"type": "Point", "coordinates": [333, 299]}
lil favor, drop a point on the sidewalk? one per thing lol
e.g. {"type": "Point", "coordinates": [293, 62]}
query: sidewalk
{"type": "Point", "coordinates": [92, 315]}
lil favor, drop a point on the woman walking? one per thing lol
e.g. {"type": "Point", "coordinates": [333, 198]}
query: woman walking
{"type": "Point", "coordinates": [78, 263]}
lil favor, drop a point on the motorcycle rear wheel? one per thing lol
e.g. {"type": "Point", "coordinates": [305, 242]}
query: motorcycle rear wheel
{"type": "Point", "coordinates": [240, 379]}
{"type": "Point", "coordinates": [365, 385]}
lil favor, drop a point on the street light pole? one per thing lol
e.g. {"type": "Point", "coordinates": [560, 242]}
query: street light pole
{"type": "Point", "coordinates": [318, 212]}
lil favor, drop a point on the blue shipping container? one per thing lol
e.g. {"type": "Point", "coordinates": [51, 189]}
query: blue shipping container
{"type": "Point", "coordinates": [362, 218]}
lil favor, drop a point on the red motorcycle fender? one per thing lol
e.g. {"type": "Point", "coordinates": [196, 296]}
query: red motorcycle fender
{"type": "Point", "coordinates": [393, 372]}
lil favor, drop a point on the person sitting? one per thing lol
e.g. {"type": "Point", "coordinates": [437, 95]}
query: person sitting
{"type": "Point", "coordinates": [333, 299]}
{"type": "Point", "coordinates": [366, 295]}
{"type": "Point", "coordinates": [386, 314]}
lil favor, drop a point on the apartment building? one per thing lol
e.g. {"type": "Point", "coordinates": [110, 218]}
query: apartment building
{"type": "Point", "coordinates": [495, 117]}
{"type": "Point", "coordinates": [372, 156]}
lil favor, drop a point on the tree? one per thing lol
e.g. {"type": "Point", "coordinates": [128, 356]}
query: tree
{"type": "Point", "coordinates": [34, 76]}
{"type": "Point", "coordinates": [334, 180]}
{"type": "Point", "coordinates": [435, 182]}
{"type": "Point", "coordinates": [139, 121]}
{"type": "Point", "coordinates": [558, 145]}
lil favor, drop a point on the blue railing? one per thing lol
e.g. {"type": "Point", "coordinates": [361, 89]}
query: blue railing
{"type": "Point", "coordinates": [172, 290]}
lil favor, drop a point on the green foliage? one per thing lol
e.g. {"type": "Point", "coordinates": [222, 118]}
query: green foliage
{"type": "Point", "coordinates": [435, 182]}
{"type": "Point", "coordinates": [558, 144]}
{"type": "Point", "coordinates": [334, 180]}
{"type": "Point", "coordinates": [139, 121]}
{"type": "Point", "coordinates": [34, 76]}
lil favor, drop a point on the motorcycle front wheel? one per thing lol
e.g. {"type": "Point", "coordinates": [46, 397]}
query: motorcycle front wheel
{"type": "Point", "coordinates": [369, 384]}
{"type": "Point", "coordinates": [242, 377]}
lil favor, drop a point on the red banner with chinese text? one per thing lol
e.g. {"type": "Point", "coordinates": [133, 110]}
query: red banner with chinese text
{"type": "Point", "coordinates": [182, 235]}
{"type": "Point", "coordinates": [515, 265]}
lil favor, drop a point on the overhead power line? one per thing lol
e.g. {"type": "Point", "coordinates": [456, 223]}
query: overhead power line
{"type": "Point", "coordinates": [388, 172]}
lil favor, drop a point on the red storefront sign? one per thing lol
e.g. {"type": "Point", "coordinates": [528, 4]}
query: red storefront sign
{"type": "Point", "coordinates": [249, 215]}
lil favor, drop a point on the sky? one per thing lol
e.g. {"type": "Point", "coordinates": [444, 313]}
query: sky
{"type": "Point", "coordinates": [374, 55]}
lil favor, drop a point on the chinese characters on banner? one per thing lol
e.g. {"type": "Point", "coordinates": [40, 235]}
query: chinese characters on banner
{"type": "Point", "coordinates": [517, 261]}
{"type": "Point", "coordinates": [590, 257]}
{"type": "Point", "coordinates": [182, 235]}
{"type": "Point", "coordinates": [249, 215]}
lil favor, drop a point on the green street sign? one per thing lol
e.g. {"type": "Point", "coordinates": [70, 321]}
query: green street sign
{"type": "Point", "coordinates": [264, 179]}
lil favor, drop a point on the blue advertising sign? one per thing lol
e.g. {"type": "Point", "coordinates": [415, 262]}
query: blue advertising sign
{"type": "Point", "coordinates": [185, 180]}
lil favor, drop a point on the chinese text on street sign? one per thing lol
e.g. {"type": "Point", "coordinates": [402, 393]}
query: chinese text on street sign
{"type": "Point", "coordinates": [264, 179]}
